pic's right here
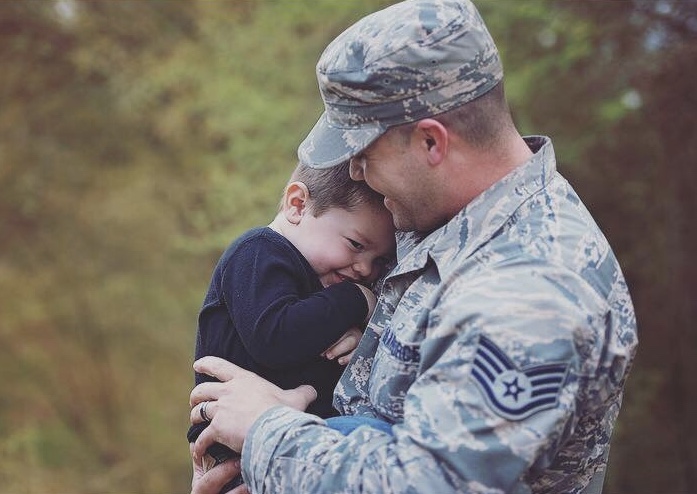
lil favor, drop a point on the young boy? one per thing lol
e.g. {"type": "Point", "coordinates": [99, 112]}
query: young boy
{"type": "Point", "coordinates": [281, 296]}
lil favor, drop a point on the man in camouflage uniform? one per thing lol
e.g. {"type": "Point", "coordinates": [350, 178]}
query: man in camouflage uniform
{"type": "Point", "coordinates": [502, 339]}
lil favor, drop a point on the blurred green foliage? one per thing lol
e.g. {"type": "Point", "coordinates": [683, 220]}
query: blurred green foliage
{"type": "Point", "coordinates": [138, 137]}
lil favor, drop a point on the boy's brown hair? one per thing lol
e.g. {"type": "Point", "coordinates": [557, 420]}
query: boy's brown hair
{"type": "Point", "coordinates": [334, 188]}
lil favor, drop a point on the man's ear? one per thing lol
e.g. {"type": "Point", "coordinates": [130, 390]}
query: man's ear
{"type": "Point", "coordinates": [295, 200]}
{"type": "Point", "coordinates": [432, 138]}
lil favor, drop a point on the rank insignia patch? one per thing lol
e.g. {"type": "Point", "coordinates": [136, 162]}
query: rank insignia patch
{"type": "Point", "coordinates": [512, 393]}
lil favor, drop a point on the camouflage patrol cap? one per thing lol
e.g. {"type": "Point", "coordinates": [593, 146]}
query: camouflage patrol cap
{"type": "Point", "coordinates": [410, 61]}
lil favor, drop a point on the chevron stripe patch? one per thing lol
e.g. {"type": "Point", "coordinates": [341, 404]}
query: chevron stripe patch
{"type": "Point", "coordinates": [512, 393]}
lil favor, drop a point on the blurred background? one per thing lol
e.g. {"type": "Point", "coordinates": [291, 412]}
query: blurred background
{"type": "Point", "coordinates": [138, 137]}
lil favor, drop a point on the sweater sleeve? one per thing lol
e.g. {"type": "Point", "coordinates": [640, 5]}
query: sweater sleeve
{"type": "Point", "coordinates": [282, 322]}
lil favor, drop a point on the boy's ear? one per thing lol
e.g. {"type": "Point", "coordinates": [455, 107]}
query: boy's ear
{"type": "Point", "coordinates": [295, 201]}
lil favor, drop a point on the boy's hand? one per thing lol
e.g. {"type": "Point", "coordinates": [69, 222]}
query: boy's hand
{"type": "Point", "coordinates": [370, 298]}
{"type": "Point", "coordinates": [212, 483]}
{"type": "Point", "coordinates": [344, 347]}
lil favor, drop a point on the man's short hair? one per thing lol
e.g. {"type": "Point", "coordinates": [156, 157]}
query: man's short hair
{"type": "Point", "coordinates": [482, 123]}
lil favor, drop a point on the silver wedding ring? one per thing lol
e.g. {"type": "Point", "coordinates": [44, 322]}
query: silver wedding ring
{"type": "Point", "coordinates": [202, 411]}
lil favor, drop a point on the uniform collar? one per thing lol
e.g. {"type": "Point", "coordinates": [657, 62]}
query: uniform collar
{"type": "Point", "coordinates": [482, 217]}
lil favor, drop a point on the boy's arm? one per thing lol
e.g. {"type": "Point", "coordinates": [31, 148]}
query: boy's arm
{"type": "Point", "coordinates": [348, 342]}
{"type": "Point", "coordinates": [279, 322]}
{"type": "Point", "coordinates": [370, 299]}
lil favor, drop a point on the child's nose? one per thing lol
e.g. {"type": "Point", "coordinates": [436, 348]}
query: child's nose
{"type": "Point", "coordinates": [363, 268]}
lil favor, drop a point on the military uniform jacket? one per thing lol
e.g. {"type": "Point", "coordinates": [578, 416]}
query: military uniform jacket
{"type": "Point", "coordinates": [499, 349]}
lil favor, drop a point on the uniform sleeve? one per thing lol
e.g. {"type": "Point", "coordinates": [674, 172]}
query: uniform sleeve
{"type": "Point", "coordinates": [281, 322]}
{"type": "Point", "coordinates": [488, 409]}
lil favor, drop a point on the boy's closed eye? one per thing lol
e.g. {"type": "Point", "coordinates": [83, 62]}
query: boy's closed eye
{"type": "Point", "coordinates": [356, 245]}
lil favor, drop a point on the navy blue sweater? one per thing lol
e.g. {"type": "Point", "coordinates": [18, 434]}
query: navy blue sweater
{"type": "Point", "coordinates": [267, 311]}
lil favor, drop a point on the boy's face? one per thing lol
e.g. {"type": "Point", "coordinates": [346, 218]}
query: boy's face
{"type": "Point", "coordinates": [342, 245]}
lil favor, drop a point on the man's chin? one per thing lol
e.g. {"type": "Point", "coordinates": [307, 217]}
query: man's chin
{"type": "Point", "coordinates": [401, 224]}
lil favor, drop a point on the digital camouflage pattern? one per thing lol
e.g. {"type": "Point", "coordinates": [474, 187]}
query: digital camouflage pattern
{"type": "Point", "coordinates": [499, 349]}
{"type": "Point", "coordinates": [409, 61]}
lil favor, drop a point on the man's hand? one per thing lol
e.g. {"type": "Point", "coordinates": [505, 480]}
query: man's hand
{"type": "Point", "coordinates": [236, 403]}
